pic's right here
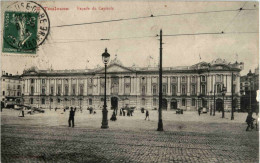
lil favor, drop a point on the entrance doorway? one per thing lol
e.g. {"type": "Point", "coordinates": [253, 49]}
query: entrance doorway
{"type": "Point", "coordinates": [164, 104]}
{"type": "Point", "coordinates": [173, 104]}
{"type": "Point", "coordinates": [114, 103]}
{"type": "Point", "coordinates": [219, 104]}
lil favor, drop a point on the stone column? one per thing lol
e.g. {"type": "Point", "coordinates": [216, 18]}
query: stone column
{"type": "Point", "coordinates": [55, 85]}
{"type": "Point", "coordinates": [48, 86]}
{"type": "Point", "coordinates": [149, 85]}
{"type": "Point", "coordinates": [77, 86]}
{"type": "Point", "coordinates": [198, 85]}
{"type": "Point", "coordinates": [179, 86]}
{"type": "Point", "coordinates": [62, 86]}
{"type": "Point", "coordinates": [169, 86]}
{"type": "Point", "coordinates": [188, 85]}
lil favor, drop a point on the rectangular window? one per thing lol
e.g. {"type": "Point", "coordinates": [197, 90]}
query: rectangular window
{"type": "Point", "coordinates": [143, 90]}
{"type": "Point", "coordinates": [3, 93]}
{"type": "Point", "coordinates": [193, 102]}
{"type": "Point", "coordinates": [183, 102]}
{"type": "Point", "coordinates": [18, 86]}
{"type": "Point", "coordinates": [127, 89]}
{"type": "Point", "coordinates": [74, 89]}
{"type": "Point", "coordinates": [164, 89]}
{"type": "Point", "coordinates": [154, 102]}
{"type": "Point", "coordinates": [59, 89]}
{"type": "Point", "coordinates": [43, 81]}
{"type": "Point", "coordinates": [174, 90]}
{"type": "Point", "coordinates": [154, 89]}
{"type": "Point", "coordinates": [203, 78]}
{"type": "Point", "coordinates": [32, 80]}
{"type": "Point", "coordinates": [43, 101]}
{"type": "Point", "coordinates": [52, 90]}
{"type": "Point", "coordinates": [90, 101]}
{"type": "Point", "coordinates": [218, 78]}
{"type": "Point", "coordinates": [193, 89]}
{"type": "Point", "coordinates": [81, 90]}
{"type": "Point", "coordinates": [193, 79]}
{"type": "Point", "coordinates": [154, 80]}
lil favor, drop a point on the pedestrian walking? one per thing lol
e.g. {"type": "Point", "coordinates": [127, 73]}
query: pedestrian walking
{"type": "Point", "coordinates": [199, 111]}
{"type": "Point", "coordinates": [147, 115]}
{"type": "Point", "coordinates": [71, 117]}
{"type": "Point", "coordinates": [249, 121]}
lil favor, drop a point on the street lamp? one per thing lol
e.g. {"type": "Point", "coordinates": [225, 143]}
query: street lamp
{"type": "Point", "coordinates": [223, 94]}
{"type": "Point", "coordinates": [105, 58]}
{"type": "Point", "coordinates": [160, 122]}
{"type": "Point", "coordinates": [214, 109]}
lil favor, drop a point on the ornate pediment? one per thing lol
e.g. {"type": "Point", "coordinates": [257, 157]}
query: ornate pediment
{"type": "Point", "coordinates": [116, 68]}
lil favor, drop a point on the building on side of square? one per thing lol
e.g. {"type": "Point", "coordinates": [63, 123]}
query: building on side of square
{"type": "Point", "coordinates": [11, 89]}
{"type": "Point", "coordinates": [249, 85]}
{"type": "Point", "coordinates": [184, 87]}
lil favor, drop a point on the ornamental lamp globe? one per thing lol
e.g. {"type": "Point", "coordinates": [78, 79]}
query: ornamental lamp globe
{"type": "Point", "coordinates": [105, 57]}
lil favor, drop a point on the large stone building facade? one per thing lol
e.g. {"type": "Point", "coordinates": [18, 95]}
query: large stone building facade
{"type": "Point", "coordinates": [11, 89]}
{"type": "Point", "coordinates": [249, 85]}
{"type": "Point", "coordinates": [185, 87]}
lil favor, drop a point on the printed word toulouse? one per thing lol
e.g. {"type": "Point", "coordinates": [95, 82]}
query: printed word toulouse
{"type": "Point", "coordinates": [78, 8]}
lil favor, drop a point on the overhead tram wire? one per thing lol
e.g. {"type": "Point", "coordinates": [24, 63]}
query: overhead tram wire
{"type": "Point", "coordinates": [235, 16]}
{"type": "Point", "coordinates": [151, 16]}
{"type": "Point", "coordinates": [167, 35]}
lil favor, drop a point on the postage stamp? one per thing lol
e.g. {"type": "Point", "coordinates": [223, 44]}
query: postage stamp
{"type": "Point", "coordinates": [26, 26]}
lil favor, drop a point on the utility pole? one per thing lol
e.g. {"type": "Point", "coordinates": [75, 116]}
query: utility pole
{"type": "Point", "coordinates": [232, 105]}
{"type": "Point", "coordinates": [160, 123]}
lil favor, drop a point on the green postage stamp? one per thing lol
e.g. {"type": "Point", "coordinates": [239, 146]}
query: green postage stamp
{"type": "Point", "coordinates": [26, 27]}
{"type": "Point", "coordinates": [20, 32]}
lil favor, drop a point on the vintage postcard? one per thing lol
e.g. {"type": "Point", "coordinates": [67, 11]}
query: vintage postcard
{"type": "Point", "coordinates": [121, 81]}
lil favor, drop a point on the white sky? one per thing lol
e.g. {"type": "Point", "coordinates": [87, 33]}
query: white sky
{"type": "Point", "coordinates": [177, 51]}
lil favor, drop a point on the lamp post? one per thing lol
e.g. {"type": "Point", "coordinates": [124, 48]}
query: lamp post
{"type": "Point", "coordinates": [160, 123]}
{"type": "Point", "coordinates": [105, 58]}
{"type": "Point", "coordinates": [214, 109]}
{"type": "Point", "coordinates": [223, 94]}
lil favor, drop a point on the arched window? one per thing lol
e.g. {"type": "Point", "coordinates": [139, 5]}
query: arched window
{"type": "Point", "coordinates": [183, 79]}
{"type": "Point", "coordinates": [174, 79]}
{"type": "Point", "coordinates": [193, 79]}
{"type": "Point", "coordinates": [174, 90]}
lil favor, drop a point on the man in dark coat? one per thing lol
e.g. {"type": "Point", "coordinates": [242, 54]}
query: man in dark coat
{"type": "Point", "coordinates": [147, 115]}
{"type": "Point", "coordinates": [249, 121]}
{"type": "Point", "coordinates": [71, 117]}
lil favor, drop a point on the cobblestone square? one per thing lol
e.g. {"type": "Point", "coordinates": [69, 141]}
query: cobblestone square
{"type": "Point", "coordinates": [46, 137]}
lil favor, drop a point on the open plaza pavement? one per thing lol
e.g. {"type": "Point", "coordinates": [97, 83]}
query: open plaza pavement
{"type": "Point", "coordinates": [188, 137]}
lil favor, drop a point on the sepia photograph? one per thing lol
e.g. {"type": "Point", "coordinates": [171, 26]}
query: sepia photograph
{"type": "Point", "coordinates": [129, 81]}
